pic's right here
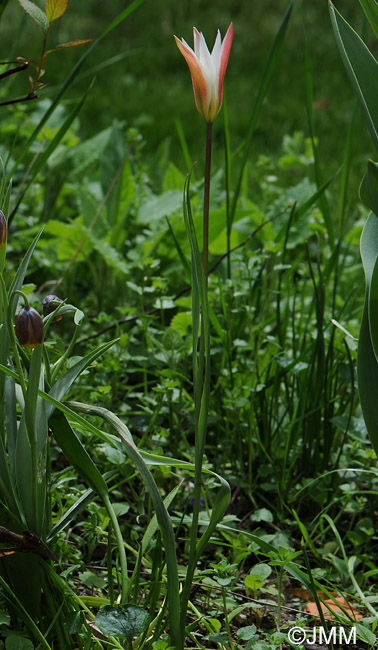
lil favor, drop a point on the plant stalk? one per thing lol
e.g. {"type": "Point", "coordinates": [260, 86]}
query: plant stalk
{"type": "Point", "coordinates": [206, 200]}
{"type": "Point", "coordinates": [201, 390]}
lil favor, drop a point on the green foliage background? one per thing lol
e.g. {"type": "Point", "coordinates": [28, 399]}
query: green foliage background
{"type": "Point", "coordinates": [141, 78]}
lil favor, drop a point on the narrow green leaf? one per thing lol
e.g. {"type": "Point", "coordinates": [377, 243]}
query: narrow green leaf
{"type": "Point", "coordinates": [369, 187]}
{"type": "Point", "coordinates": [36, 13]}
{"type": "Point", "coordinates": [370, 8]}
{"type": "Point", "coordinates": [76, 453]}
{"type": "Point", "coordinates": [64, 383]}
{"type": "Point", "coordinates": [64, 46]}
{"type": "Point", "coordinates": [367, 365]}
{"type": "Point", "coordinates": [361, 67]}
{"type": "Point", "coordinates": [3, 4]}
{"type": "Point", "coordinates": [163, 517]}
{"type": "Point", "coordinates": [373, 308]}
{"type": "Point", "coordinates": [28, 620]}
{"type": "Point", "coordinates": [21, 271]}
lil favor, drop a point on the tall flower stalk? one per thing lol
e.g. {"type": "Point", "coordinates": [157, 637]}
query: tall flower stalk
{"type": "Point", "coordinates": [207, 72]}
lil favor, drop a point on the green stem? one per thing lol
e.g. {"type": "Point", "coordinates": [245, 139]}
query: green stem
{"type": "Point", "coordinates": [206, 200]}
{"type": "Point", "coordinates": [201, 391]}
{"type": "Point", "coordinates": [125, 589]}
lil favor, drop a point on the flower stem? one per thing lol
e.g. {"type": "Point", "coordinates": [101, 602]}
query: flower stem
{"type": "Point", "coordinates": [201, 392]}
{"type": "Point", "coordinates": [206, 200]}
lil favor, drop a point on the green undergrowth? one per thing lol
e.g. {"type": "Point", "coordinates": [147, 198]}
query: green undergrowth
{"type": "Point", "coordinates": [285, 429]}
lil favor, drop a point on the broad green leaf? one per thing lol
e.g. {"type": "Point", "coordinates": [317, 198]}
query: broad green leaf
{"type": "Point", "coordinates": [36, 13]}
{"type": "Point", "coordinates": [370, 8]}
{"type": "Point", "coordinates": [74, 622]}
{"type": "Point", "coordinates": [367, 365]}
{"type": "Point", "coordinates": [262, 570]}
{"type": "Point", "coordinates": [246, 633]}
{"type": "Point", "coordinates": [365, 634]}
{"type": "Point", "coordinates": [158, 207]}
{"type": "Point", "coordinates": [361, 67]}
{"type": "Point", "coordinates": [55, 9]}
{"type": "Point", "coordinates": [369, 187]}
{"type": "Point", "coordinates": [15, 642]}
{"type": "Point", "coordinates": [129, 621]}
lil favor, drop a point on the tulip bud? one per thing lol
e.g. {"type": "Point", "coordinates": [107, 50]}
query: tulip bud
{"type": "Point", "coordinates": [49, 304]}
{"type": "Point", "coordinates": [3, 230]}
{"type": "Point", "coordinates": [29, 327]}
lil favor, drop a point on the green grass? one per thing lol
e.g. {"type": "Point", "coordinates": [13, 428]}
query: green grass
{"type": "Point", "coordinates": [113, 491]}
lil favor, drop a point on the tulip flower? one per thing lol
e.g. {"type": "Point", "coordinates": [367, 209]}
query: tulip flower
{"type": "Point", "coordinates": [207, 70]}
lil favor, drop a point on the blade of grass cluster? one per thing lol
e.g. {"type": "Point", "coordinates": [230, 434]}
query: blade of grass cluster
{"type": "Point", "coordinates": [361, 67]}
{"type": "Point", "coordinates": [311, 123]}
{"type": "Point", "coordinates": [117, 21]}
{"type": "Point", "coordinates": [370, 8]}
{"type": "Point", "coordinates": [274, 57]}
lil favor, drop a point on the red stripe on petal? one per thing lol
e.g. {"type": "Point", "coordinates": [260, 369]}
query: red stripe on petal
{"type": "Point", "coordinates": [198, 79]}
{"type": "Point", "coordinates": [225, 55]}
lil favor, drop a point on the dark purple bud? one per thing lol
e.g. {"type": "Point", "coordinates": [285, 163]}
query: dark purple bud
{"type": "Point", "coordinates": [49, 304]}
{"type": "Point", "coordinates": [29, 327]}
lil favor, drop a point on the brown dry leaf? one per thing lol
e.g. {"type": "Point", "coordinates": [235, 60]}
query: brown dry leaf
{"type": "Point", "coordinates": [312, 608]}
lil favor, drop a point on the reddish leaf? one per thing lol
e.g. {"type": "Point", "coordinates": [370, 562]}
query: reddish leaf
{"type": "Point", "coordinates": [55, 9]}
{"type": "Point", "coordinates": [69, 44]}
{"type": "Point", "coordinates": [328, 605]}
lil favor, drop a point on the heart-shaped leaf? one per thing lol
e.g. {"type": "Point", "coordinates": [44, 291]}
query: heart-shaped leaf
{"type": "Point", "coordinates": [128, 621]}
